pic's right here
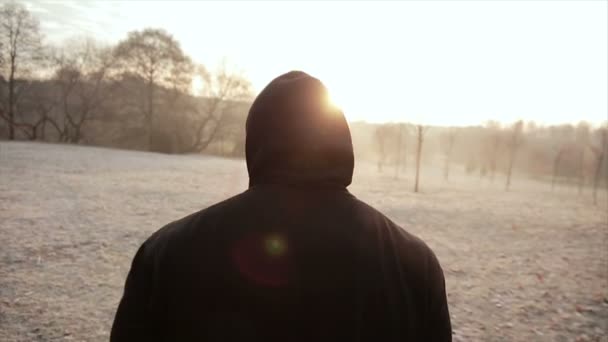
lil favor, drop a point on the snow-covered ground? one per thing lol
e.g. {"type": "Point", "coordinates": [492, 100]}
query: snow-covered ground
{"type": "Point", "coordinates": [524, 265]}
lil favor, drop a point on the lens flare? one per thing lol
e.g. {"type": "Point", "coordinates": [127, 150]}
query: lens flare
{"type": "Point", "coordinates": [275, 245]}
{"type": "Point", "coordinates": [263, 258]}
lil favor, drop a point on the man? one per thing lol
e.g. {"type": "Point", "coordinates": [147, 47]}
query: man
{"type": "Point", "coordinates": [296, 257]}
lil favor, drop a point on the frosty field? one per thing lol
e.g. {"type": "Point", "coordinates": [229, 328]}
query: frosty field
{"type": "Point", "coordinates": [523, 265]}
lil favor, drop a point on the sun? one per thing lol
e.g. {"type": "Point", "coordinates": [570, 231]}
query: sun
{"type": "Point", "coordinates": [334, 100]}
{"type": "Point", "coordinates": [341, 96]}
{"type": "Point", "coordinates": [331, 101]}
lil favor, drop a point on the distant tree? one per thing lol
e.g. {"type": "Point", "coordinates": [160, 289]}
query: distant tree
{"type": "Point", "coordinates": [515, 141]}
{"type": "Point", "coordinates": [81, 76]}
{"type": "Point", "coordinates": [600, 151]}
{"type": "Point", "coordinates": [561, 138]}
{"type": "Point", "coordinates": [20, 47]}
{"type": "Point", "coordinates": [491, 147]}
{"type": "Point", "coordinates": [531, 127]}
{"type": "Point", "coordinates": [556, 160]}
{"type": "Point", "coordinates": [381, 140]}
{"type": "Point", "coordinates": [36, 107]}
{"type": "Point", "coordinates": [582, 137]}
{"type": "Point", "coordinates": [231, 135]}
{"type": "Point", "coordinates": [1, 57]}
{"type": "Point", "coordinates": [156, 57]}
{"type": "Point", "coordinates": [405, 146]}
{"type": "Point", "coordinates": [223, 92]}
{"type": "Point", "coordinates": [447, 139]}
{"type": "Point", "coordinates": [420, 132]}
{"type": "Point", "coordinates": [390, 144]}
{"type": "Point", "coordinates": [401, 157]}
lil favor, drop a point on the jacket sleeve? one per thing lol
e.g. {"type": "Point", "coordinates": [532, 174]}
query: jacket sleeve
{"type": "Point", "coordinates": [137, 317]}
{"type": "Point", "coordinates": [439, 327]}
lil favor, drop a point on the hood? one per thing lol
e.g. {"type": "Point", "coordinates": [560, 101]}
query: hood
{"type": "Point", "coordinates": [294, 135]}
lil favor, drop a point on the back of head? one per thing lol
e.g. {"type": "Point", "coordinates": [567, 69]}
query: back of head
{"type": "Point", "coordinates": [295, 136]}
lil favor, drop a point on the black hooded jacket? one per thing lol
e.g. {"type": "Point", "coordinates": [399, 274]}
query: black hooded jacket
{"type": "Point", "coordinates": [296, 257]}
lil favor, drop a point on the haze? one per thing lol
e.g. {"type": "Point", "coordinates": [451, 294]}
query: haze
{"type": "Point", "coordinates": [437, 63]}
{"type": "Point", "coordinates": [117, 118]}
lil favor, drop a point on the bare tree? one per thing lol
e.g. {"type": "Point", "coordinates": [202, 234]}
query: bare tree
{"type": "Point", "coordinates": [600, 153]}
{"type": "Point", "coordinates": [35, 129]}
{"type": "Point", "coordinates": [34, 109]}
{"type": "Point", "coordinates": [156, 57]}
{"type": "Point", "coordinates": [223, 92]}
{"type": "Point", "coordinates": [405, 131]}
{"type": "Point", "coordinates": [1, 56]}
{"type": "Point", "coordinates": [448, 139]}
{"type": "Point", "coordinates": [420, 132]}
{"type": "Point", "coordinates": [491, 147]}
{"type": "Point", "coordinates": [380, 140]}
{"type": "Point", "coordinates": [513, 145]}
{"type": "Point", "coordinates": [83, 69]}
{"type": "Point", "coordinates": [556, 160]}
{"type": "Point", "coordinates": [401, 151]}
{"type": "Point", "coordinates": [582, 135]}
{"type": "Point", "coordinates": [20, 43]}
{"type": "Point", "coordinates": [388, 139]}
{"type": "Point", "coordinates": [561, 144]}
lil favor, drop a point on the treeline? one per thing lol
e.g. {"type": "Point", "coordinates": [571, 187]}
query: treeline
{"type": "Point", "coordinates": [137, 94]}
{"type": "Point", "coordinates": [562, 154]}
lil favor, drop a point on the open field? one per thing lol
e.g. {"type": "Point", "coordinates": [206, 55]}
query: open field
{"type": "Point", "coordinates": [524, 265]}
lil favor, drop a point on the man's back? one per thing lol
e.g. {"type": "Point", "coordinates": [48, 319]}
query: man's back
{"type": "Point", "coordinates": [285, 264]}
{"type": "Point", "coordinates": [294, 258]}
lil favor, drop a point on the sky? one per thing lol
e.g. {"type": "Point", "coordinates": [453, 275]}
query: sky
{"type": "Point", "coordinates": [434, 62]}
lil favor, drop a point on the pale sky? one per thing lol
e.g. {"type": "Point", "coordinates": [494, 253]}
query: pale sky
{"type": "Point", "coordinates": [435, 62]}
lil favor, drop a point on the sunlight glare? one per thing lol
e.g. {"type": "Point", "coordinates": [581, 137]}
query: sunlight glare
{"type": "Point", "coordinates": [197, 85]}
{"type": "Point", "coordinates": [335, 99]}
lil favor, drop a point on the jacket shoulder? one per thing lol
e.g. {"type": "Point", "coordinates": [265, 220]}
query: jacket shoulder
{"type": "Point", "coordinates": [181, 228]}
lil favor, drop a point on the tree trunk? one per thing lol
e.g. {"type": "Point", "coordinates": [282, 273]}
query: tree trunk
{"type": "Point", "coordinates": [43, 130]}
{"type": "Point", "coordinates": [446, 168]}
{"type": "Point", "coordinates": [150, 113]}
{"type": "Point", "coordinates": [381, 157]}
{"type": "Point", "coordinates": [581, 176]}
{"type": "Point", "coordinates": [398, 164]}
{"type": "Point", "coordinates": [555, 168]}
{"type": "Point", "coordinates": [598, 173]}
{"type": "Point", "coordinates": [510, 169]}
{"type": "Point", "coordinates": [493, 161]}
{"type": "Point", "coordinates": [418, 157]}
{"type": "Point", "coordinates": [404, 167]}
{"type": "Point", "coordinates": [603, 151]}
{"type": "Point", "coordinates": [11, 100]}
{"type": "Point", "coordinates": [75, 135]}
{"type": "Point", "coordinates": [515, 142]}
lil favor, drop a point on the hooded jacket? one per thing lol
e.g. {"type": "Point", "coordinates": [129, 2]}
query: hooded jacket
{"type": "Point", "coordinates": [296, 257]}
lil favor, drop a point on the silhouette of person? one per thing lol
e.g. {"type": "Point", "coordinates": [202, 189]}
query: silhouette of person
{"type": "Point", "coordinates": [295, 257]}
